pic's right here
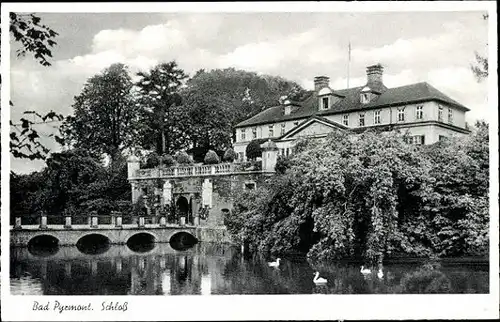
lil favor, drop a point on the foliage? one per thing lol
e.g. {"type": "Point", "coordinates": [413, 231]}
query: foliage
{"type": "Point", "coordinates": [211, 157]}
{"type": "Point", "coordinates": [162, 114]}
{"type": "Point", "coordinates": [369, 196]}
{"type": "Point", "coordinates": [219, 99]}
{"type": "Point", "coordinates": [282, 164]}
{"type": "Point", "coordinates": [167, 160]}
{"type": "Point", "coordinates": [253, 149]}
{"type": "Point", "coordinates": [34, 37]}
{"type": "Point", "coordinates": [480, 68]}
{"type": "Point", "coordinates": [152, 161]}
{"type": "Point", "coordinates": [230, 155]}
{"type": "Point", "coordinates": [73, 182]}
{"type": "Point", "coordinates": [25, 140]}
{"type": "Point", "coordinates": [183, 158]}
{"type": "Point", "coordinates": [38, 39]}
{"type": "Point", "coordinates": [105, 115]}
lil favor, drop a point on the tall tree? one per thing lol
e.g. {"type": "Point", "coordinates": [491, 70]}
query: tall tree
{"type": "Point", "coordinates": [219, 99]}
{"type": "Point", "coordinates": [106, 115]}
{"type": "Point", "coordinates": [161, 109]}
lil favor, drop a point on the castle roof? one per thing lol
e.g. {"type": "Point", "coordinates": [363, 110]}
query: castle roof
{"type": "Point", "coordinates": [349, 101]}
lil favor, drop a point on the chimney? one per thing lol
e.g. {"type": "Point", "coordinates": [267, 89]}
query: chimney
{"type": "Point", "coordinates": [374, 76]}
{"type": "Point", "coordinates": [321, 82]}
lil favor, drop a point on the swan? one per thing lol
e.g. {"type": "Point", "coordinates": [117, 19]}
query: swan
{"type": "Point", "coordinates": [319, 280]}
{"type": "Point", "coordinates": [275, 264]}
{"type": "Point", "coordinates": [365, 270]}
{"type": "Point", "coordinates": [380, 273]}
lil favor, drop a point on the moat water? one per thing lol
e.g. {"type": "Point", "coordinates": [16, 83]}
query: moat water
{"type": "Point", "coordinates": [159, 269]}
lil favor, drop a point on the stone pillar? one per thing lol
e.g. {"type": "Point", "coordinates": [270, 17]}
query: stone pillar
{"type": "Point", "coordinates": [135, 192]}
{"type": "Point", "coordinates": [113, 218]}
{"type": "Point", "coordinates": [133, 164]}
{"type": "Point", "coordinates": [67, 222]}
{"type": "Point", "coordinates": [43, 220]}
{"type": "Point", "coordinates": [269, 156]}
{"type": "Point", "coordinates": [43, 270]}
{"type": "Point", "coordinates": [119, 220]}
{"type": "Point", "coordinates": [167, 193]}
{"type": "Point", "coordinates": [163, 221]}
{"type": "Point", "coordinates": [95, 222]}
{"type": "Point", "coordinates": [17, 223]}
{"type": "Point", "coordinates": [196, 221]}
{"type": "Point", "coordinates": [206, 194]}
{"type": "Point", "coordinates": [183, 221]}
{"type": "Point", "coordinates": [141, 221]}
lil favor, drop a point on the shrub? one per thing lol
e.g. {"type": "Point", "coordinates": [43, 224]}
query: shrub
{"type": "Point", "coordinates": [230, 155]}
{"type": "Point", "coordinates": [211, 157]}
{"type": "Point", "coordinates": [254, 150]}
{"type": "Point", "coordinates": [183, 158]}
{"type": "Point", "coordinates": [282, 164]}
{"type": "Point", "coordinates": [167, 160]}
{"type": "Point", "coordinates": [152, 160]}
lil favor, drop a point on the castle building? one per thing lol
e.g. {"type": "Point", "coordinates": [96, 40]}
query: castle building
{"type": "Point", "coordinates": [425, 113]}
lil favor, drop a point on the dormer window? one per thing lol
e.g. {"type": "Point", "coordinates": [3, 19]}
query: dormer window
{"type": "Point", "coordinates": [325, 103]}
{"type": "Point", "coordinates": [271, 130]}
{"type": "Point", "coordinates": [325, 95]}
{"type": "Point", "coordinates": [365, 95]}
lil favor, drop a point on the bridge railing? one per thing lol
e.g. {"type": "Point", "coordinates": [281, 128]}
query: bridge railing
{"type": "Point", "coordinates": [193, 170]}
{"type": "Point", "coordinates": [94, 220]}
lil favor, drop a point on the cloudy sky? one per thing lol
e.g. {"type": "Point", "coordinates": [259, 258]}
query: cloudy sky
{"type": "Point", "coordinates": [437, 47]}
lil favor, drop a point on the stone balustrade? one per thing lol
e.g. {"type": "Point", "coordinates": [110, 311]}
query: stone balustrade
{"type": "Point", "coordinates": [191, 171]}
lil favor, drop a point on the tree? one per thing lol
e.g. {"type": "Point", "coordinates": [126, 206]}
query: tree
{"type": "Point", "coordinates": [161, 112]}
{"type": "Point", "coordinates": [211, 157]}
{"type": "Point", "coordinates": [38, 39]}
{"type": "Point", "coordinates": [230, 155]}
{"type": "Point", "coordinates": [105, 117]}
{"type": "Point", "coordinates": [219, 99]}
{"type": "Point", "coordinates": [253, 149]}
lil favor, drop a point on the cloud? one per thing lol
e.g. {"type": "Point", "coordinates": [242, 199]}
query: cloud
{"type": "Point", "coordinates": [436, 47]}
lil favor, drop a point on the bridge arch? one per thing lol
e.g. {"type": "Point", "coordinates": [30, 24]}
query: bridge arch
{"type": "Point", "coordinates": [142, 241]}
{"type": "Point", "coordinates": [182, 240]}
{"type": "Point", "coordinates": [93, 243]}
{"type": "Point", "coordinates": [43, 245]}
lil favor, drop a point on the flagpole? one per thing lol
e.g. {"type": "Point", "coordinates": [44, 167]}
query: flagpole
{"type": "Point", "coordinates": [348, 63]}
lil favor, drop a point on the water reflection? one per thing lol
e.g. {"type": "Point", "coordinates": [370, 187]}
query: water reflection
{"type": "Point", "coordinates": [218, 269]}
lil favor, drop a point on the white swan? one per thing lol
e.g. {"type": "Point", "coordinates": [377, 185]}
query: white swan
{"type": "Point", "coordinates": [380, 273]}
{"type": "Point", "coordinates": [275, 264]}
{"type": "Point", "coordinates": [365, 270]}
{"type": "Point", "coordinates": [319, 280]}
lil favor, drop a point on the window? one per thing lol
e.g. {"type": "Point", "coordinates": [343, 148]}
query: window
{"type": "Point", "coordinates": [365, 98]}
{"type": "Point", "coordinates": [243, 135]}
{"type": "Point", "coordinates": [241, 156]}
{"type": "Point", "coordinates": [420, 112]}
{"type": "Point", "coordinates": [287, 151]}
{"type": "Point", "coordinates": [282, 151]}
{"type": "Point", "coordinates": [440, 113]}
{"type": "Point", "coordinates": [376, 117]}
{"type": "Point", "coordinates": [419, 139]}
{"type": "Point", "coordinates": [271, 130]}
{"type": "Point", "coordinates": [283, 128]}
{"type": "Point", "coordinates": [254, 133]}
{"type": "Point", "coordinates": [325, 103]}
{"type": "Point", "coordinates": [450, 116]}
{"type": "Point", "coordinates": [295, 123]}
{"type": "Point", "coordinates": [401, 114]}
{"type": "Point", "coordinates": [361, 119]}
{"type": "Point", "coordinates": [345, 119]}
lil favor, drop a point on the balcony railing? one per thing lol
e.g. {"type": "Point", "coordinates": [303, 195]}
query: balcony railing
{"type": "Point", "coordinates": [192, 171]}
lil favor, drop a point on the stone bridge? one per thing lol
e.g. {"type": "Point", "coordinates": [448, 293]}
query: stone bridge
{"type": "Point", "coordinates": [20, 237]}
